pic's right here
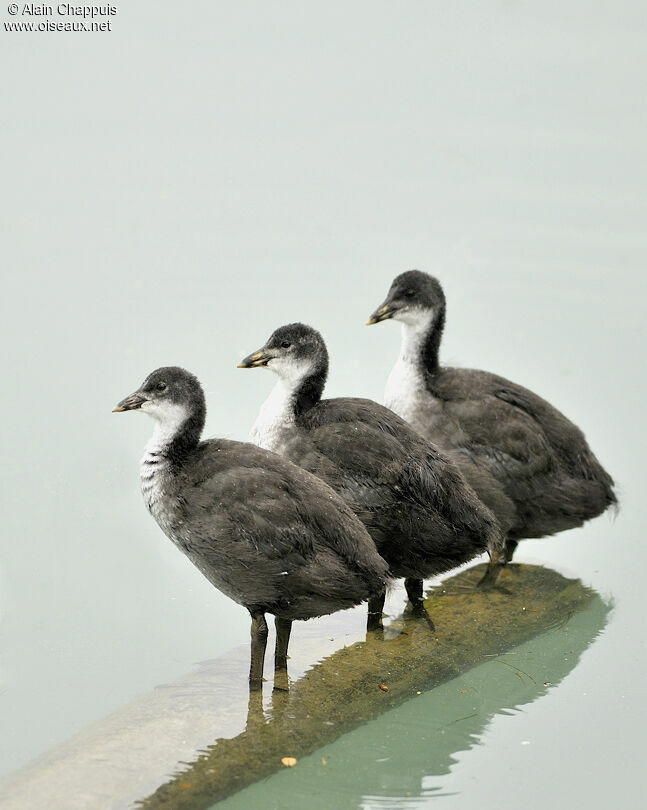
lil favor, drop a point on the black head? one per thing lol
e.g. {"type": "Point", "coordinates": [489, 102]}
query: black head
{"type": "Point", "coordinates": [414, 297]}
{"type": "Point", "coordinates": [165, 390]}
{"type": "Point", "coordinates": [298, 354]}
{"type": "Point", "coordinates": [292, 351]}
{"type": "Point", "coordinates": [175, 399]}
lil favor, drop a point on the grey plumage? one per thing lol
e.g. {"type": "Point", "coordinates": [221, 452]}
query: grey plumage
{"type": "Point", "coordinates": [265, 532]}
{"type": "Point", "coordinates": [417, 507]}
{"type": "Point", "coordinates": [525, 459]}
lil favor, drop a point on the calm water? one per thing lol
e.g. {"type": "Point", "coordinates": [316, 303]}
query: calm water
{"type": "Point", "coordinates": [174, 190]}
{"type": "Point", "coordinates": [407, 757]}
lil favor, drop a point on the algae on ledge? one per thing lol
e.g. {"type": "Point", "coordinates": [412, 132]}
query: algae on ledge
{"type": "Point", "coordinates": [346, 690]}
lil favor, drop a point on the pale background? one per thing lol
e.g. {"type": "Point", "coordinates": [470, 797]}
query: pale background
{"type": "Point", "coordinates": [177, 188]}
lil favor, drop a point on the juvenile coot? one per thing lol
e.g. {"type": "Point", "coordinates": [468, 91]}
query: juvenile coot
{"type": "Point", "coordinates": [271, 536]}
{"type": "Point", "coordinates": [548, 478]}
{"type": "Point", "coordinates": [418, 509]}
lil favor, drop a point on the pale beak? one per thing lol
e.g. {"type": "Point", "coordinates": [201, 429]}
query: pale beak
{"type": "Point", "coordinates": [131, 403]}
{"type": "Point", "coordinates": [255, 360]}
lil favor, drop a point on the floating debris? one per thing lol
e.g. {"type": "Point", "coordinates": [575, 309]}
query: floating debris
{"type": "Point", "coordinates": [518, 672]}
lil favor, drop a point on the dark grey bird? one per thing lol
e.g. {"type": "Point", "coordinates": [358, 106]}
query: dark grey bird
{"type": "Point", "coordinates": [268, 534]}
{"type": "Point", "coordinates": [524, 458]}
{"type": "Point", "coordinates": [416, 505]}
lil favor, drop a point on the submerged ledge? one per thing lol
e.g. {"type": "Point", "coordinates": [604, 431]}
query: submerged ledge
{"type": "Point", "coordinates": [124, 758]}
{"type": "Point", "coordinates": [360, 682]}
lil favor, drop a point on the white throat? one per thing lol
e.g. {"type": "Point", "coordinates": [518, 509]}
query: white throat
{"type": "Point", "coordinates": [169, 418]}
{"type": "Point", "coordinates": [276, 417]}
{"type": "Point", "coordinates": [406, 389]}
{"type": "Point", "coordinates": [154, 468]}
{"type": "Point", "coordinates": [414, 333]}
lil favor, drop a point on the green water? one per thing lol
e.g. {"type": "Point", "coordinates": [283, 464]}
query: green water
{"type": "Point", "coordinates": [402, 759]}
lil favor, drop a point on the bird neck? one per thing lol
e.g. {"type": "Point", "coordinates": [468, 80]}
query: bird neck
{"type": "Point", "coordinates": [310, 389]}
{"type": "Point", "coordinates": [288, 399]}
{"type": "Point", "coordinates": [420, 346]}
{"type": "Point", "coordinates": [178, 433]}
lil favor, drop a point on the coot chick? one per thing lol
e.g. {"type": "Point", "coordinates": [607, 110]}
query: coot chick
{"type": "Point", "coordinates": [271, 536]}
{"type": "Point", "coordinates": [422, 515]}
{"type": "Point", "coordinates": [548, 478]}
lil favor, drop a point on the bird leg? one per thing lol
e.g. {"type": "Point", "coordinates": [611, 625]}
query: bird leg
{"type": "Point", "coordinates": [510, 548]}
{"type": "Point", "coordinates": [497, 560]}
{"type": "Point", "coordinates": [413, 588]}
{"type": "Point", "coordinates": [375, 608]}
{"type": "Point", "coordinates": [283, 627]}
{"type": "Point", "coordinates": [259, 642]}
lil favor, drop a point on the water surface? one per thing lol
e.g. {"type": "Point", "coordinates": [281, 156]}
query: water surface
{"type": "Point", "coordinates": [176, 189]}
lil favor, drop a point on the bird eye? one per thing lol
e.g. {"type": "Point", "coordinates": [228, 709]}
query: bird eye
{"type": "Point", "coordinates": [286, 344]}
{"type": "Point", "coordinates": [161, 386]}
{"type": "Point", "coordinates": [409, 293]}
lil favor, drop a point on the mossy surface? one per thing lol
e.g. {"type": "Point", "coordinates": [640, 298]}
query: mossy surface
{"type": "Point", "coordinates": [360, 682]}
